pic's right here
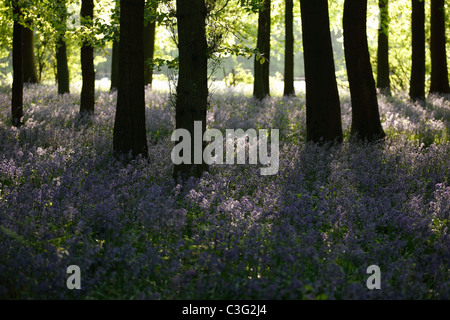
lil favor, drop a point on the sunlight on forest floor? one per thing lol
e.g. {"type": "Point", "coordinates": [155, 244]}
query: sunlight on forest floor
{"type": "Point", "coordinates": [276, 87]}
{"type": "Point", "coordinates": [309, 232]}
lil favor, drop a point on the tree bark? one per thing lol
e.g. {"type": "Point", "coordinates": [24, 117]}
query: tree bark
{"type": "Point", "coordinates": [130, 125]}
{"type": "Point", "coordinates": [29, 59]}
{"type": "Point", "coordinates": [17, 86]}
{"type": "Point", "coordinates": [365, 114]}
{"type": "Point", "coordinates": [323, 113]}
{"type": "Point", "coordinates": [383, 80]}
{"type": "Point", "coordinates": [192, 88]}
{"type": "Point", "coordinates": [261, 84]}
{"type": "Point", "coordinates": [149, 49]}
{"type": "Point", "coordinates": [439, 71]}
{"type": "Point", "coordinates": [289, 50]}
{"type": "Point", "coordinates": [87, 104]}
{"type": "Point", "coordinates": [115, 66]}
{"type": "Point", "coordinates": [417, 83]}
{"type": "Point", "coordinates": [62, 68]}
{"type": "Point", "coordinates": [115, 58]}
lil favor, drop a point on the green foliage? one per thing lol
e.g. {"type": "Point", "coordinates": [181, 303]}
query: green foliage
{"type": "Point", "coordinates": [251, 6]}
{"type": "Point", "coordinates": [231, 32]}
{"type": "Point", "coordinates": [158, 63]}
{"type": "Point", "coordinates": [239, 75]}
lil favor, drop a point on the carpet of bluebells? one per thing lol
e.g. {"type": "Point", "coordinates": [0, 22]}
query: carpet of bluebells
{"type": "Point", "coordinates": [309, 232]}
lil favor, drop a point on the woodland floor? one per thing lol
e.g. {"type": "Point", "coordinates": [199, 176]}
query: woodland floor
{"type": "Point", "coordinates": [309, 232]}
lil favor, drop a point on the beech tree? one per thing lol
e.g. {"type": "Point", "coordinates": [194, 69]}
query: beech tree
{"type": "Point", "coordinates": [115, 50]}
{"type": "Point", "coordinates": [87, 103]}
{"type": "Point", "coordinates": [383, 79]}
{"type": "Point", "coordinates": [149, 47]}
{"type": "Point", "coordinates": [417, 82]}
{"type": "Point", "coordinates": [323, 112]}
{"type": "Point", "coordinates": [366, 122]}
{"type": "Point", "coordinates": [439, 71]}
{"type": "Point", "coordinates": [29, 59]}
{"type": "Point", "coordinates": [192, 89]}
{"type": "Point", "coordinates": [61, 49]}
{"type": "Point", "coordinates": [130, 127]}
{"type": "Point", "coordinates": [61, 66]}
{"type": "Point", "coordinates": [289, 49]}
{"type": "Point", "coordinates": [17, 86]}
{"type": "Point", "coordinates": [115, 66]}
{"type": "Point", "coordinates": [261, 87]}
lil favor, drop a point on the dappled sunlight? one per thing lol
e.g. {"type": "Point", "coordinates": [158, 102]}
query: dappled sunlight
{"type": "Point", "coordinates": [312, 229]}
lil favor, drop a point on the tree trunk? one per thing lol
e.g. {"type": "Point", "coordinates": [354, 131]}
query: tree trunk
{"type": "Point", "coordinates": [261, 85]}
{"type": "Point", "coordinates": [323, 111]}
{"type": "Point", "coordinates": [149, 49]}
{"type": "Point", "coordinates": [439, 71]}
{"type": "Point", "coordinates": [29, 60]}
{"type": "Point", "coordinates": [383, 80]}
{"type": "Point", "coordinates": [289, 50]}
{"type": "Point", "coordinates": [115, 66]}
{"type": "Point", "coordinates": [115, 57]}
{"type": "Point", "coordinates": [365, 115]}
{"type": "Point", "coordinates": [17, 86]}
{"type": "Point", "coordinates": [61, 66]}
{"type": "Point", "coordinates": [130, 126]}
{"type": "Point", "coordinates": [87, 103]}
{"type": "Point", "coordinates": [192, 88]}
{"type": "Point", "coordinates": [417, 84]}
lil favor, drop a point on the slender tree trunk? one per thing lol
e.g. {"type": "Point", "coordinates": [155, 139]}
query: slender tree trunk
{"type": "Point", "coordinates": [417, 84]}
{"type": "Point", "coordinates": [115, 58]}
{"type": "Point", "coordinates": [149, 49]}
{"type": "Point", "coordinates": [17, 87]}
{"type": "Point", "coordinates": [62, 68]}
{"type": "Point", "coordinates": [87, 104]}
{"type": "Point", "coordinates": [439, 71]}
{"type": "Point", "coordinates": [261, 85]}
{"type": "Point", "coordinates": [323, 111]}
{"type": "Point", "coordinates": [130, 125]}
{"type": "Point", "coordinates": [61, 52]}
{"type": "Point", "coordinates": [29, 59]}
{"type": "Point", "coordinates": [365, 115]}
{"type": "Point", "coordinates": [383, 80]}
{"type": "Point", "coordinates": [115, 66]}
{"type": "Point", "coordinates": [289, 50]}
{"type": "Point", "coordinates": [192, 89]}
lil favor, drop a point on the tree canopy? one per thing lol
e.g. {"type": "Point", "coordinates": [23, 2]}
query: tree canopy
{"type": "Point", "coordinates": [232, 29]}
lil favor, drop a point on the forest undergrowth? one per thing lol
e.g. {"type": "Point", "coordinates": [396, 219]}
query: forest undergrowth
{"type": "Point", "coordinates": [309, 232]}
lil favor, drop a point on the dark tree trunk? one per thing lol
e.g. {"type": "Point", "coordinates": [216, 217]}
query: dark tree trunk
{"type": "Point", "coordinates": [289, 50]}
{"type": "Point", "coordinates": [87, 103]}
{"type": "Point", "coordinates": [61, 66]}
{"type": "Point", "coordinates": [417, 85]}
{"type": "Point", "coordinates": [323, 111]}
{"type": "Point", "coordinates": [261, 85]}
{"type": "Point", "coordinates": [130, 126]}
{"type": "Point", "coordinates": [365, 115]}
{"type": "Point", "coordinates": [17, 87]}
{"type": "Point", "coordinates": [192, 88]}
{"type": "Point", "coordinates": [115, 66]}
{"type": "Point", "coordinates": [383, 80]}
{"type": "Point", "coordinates": [29, 60]}
{"type": "Point", "coordinates": [149, 49]}
{"type": "Point", "coordinates": [439, 71]}
{"type": "Point", "coordinates": [115, 58]}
